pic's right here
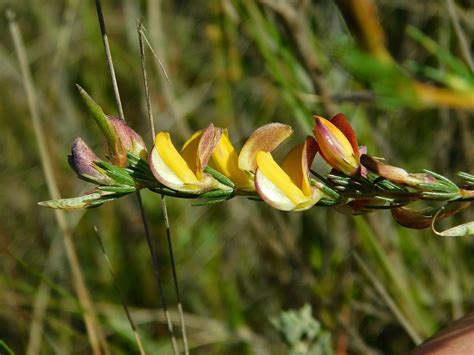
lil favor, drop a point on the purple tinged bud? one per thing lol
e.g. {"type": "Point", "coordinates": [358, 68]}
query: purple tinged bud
{"type": "Point", "coordinates": [82, 161]}
{"type": "Point", "coordinates": [130, 140]}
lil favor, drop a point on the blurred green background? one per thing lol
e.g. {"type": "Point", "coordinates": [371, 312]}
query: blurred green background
{"type": "Point", "coordinates": [400, 70]}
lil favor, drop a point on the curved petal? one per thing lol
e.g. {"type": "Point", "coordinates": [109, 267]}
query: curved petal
{"type": "Point", "coordinates": [82, 161]}
{"type": "Point", "coordinates": [423, 218]}
{"type": "Point", "coordinates": [276, 188]}
{"type": "Point", "coordinates": [225, 160]}
{"type": "Point", "coordinates": [265, 139]}
{"type": "Point", "coordinates": [198, 149]}
{"type": "Point", "coordinates": [208, 142]}
{"type": "Point", "coordinates": [389, 172]}
{"type": "Point", "coordinates": [334, 147]}
{"type": "Point", "coordinates": [340, 121]}
{"type": "Point", "coordinates": [169, 167]}
{"type": "Point", "coordinates": [189, 150]}
{"type": "Point", "coordinates": [298, 162]}
{"type": "Point", "coordinates": [131, 140]}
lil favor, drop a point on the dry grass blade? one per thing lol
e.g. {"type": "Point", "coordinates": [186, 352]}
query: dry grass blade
{"type": "Point", "coordinates": [388, 300]}
{"type": "Point", "coordinates": [119, 292]}
{"type": "Point", "coordinates": [466, 53]}
{"type": "Point", "coordinates": [95, 335]}
{"type": "Point", "coordinates": [156, 271]}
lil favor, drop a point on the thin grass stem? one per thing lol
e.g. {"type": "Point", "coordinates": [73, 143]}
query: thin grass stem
{"type": "Point", "coordinates": [141, 36]}
{"type": "Point", "coordinates": [108, 56]}
{"type": "Point", "coordinates": [378, 285]}
{"type": "Point", "coordinates": [465, 51]}
{"type": "Point", "coordinates": [96, 338]}
{"type": "Point", "coordinates": [156, 271]}
{"type": "Point", "coordinates": [110, 64]}
{"type": "Point", "coordinates": [119, 292]}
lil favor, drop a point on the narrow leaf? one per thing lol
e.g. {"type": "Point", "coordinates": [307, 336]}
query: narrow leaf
{"type": "Point", "coordinates": [75, 203]}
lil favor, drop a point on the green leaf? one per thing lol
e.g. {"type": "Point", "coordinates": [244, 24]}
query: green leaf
{"type": "Point", "coordinates": [120, 175]}
{"type": "Point", "coordinates": [219, 177]}
{"type": "Point", "coordinates": [116, 149]}
{"type": "Point", "coordinates": [118, 189]}
{"type": "Point", "coordinates": [4, 349]}
{"type": "Point", "coordinates": [209, 202]}
{"type": "Point", "coordinates": [216, 193]}
{"type": "Point", "coordinates": [75, 203]}
{"type": "Point", "coordinates": [461, 230]}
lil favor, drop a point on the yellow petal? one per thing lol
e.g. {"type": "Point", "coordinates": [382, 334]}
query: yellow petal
{"type": "Point", "coordinates": [225, 160]}
{"type": "Point", "coordinates": [173, 159]}
{"type": "Point", "coordinates": [297, 163]}
{"type": "Point", "coordinates": [274, 173]}
{"type": "Point", "coordinates": [189, 152]}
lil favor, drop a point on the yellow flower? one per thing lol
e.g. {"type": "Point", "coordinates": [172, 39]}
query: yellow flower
{"type": "Point", "coordinates": [185, 171]}
{"type": "Point", "coordinates": [288, 187]}
{"type": "Point", "coordinates": [240, 169]}
{"type": "Point", "coordinates": [337, 144]}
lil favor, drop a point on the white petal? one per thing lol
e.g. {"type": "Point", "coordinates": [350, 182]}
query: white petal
{"type": "Point", "coordinates": [271, 194]}
{"type": "Point", "coordinates": [163, 173]}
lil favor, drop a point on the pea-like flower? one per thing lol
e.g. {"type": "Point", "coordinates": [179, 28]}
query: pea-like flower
{"type": "Point", "coordinates": [337, 144]}
{"type": "Point", "coordinates": [240, 169]}
{"type": "Point", "coordinates": [288, 188]}
{"type": "Point", "coordinates": [185, 171]}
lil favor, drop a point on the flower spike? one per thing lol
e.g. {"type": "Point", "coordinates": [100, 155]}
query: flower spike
{"type": "Point", "coordinates": [288, 187]}
{"type": "Point", "coordinates": [185, 172]}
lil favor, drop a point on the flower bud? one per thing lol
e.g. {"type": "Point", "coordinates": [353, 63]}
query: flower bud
{"type": "Point", "coordinates": [82, 161]}
{"type": "Point", "coordinates": [131, 141]}
{"type": "Point", "coordinates": [396, 174]}
{"type": "Point", "coordinates": [335, 147]}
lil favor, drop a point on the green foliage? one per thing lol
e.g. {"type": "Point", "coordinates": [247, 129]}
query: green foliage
{"type": "Point", "coordinates": [5, 349]}
{"type": "Point", "coordinates": [303, 333]}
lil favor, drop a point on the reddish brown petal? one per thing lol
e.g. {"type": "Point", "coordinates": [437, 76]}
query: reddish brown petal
{"type": "Point", "coordinates": [396, 174]}
{"type": "Point", "coordinates": [420, 219]}
{"type": "Point", "coordinates": [207, 143]}
{"type": "Point", "coordinates": [454, 339]}
{"type": "Point", "coordinates": [131, 140]}
{"type": "Point", "coordinates": [390, 172]}
{"type": "Point", "coordinates": [311, 150]}
{"type": "Point", "coordinates": [341, 122]}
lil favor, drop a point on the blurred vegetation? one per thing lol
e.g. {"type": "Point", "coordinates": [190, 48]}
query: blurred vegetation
{"type": "Point", "coordinates": [400, 70]}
